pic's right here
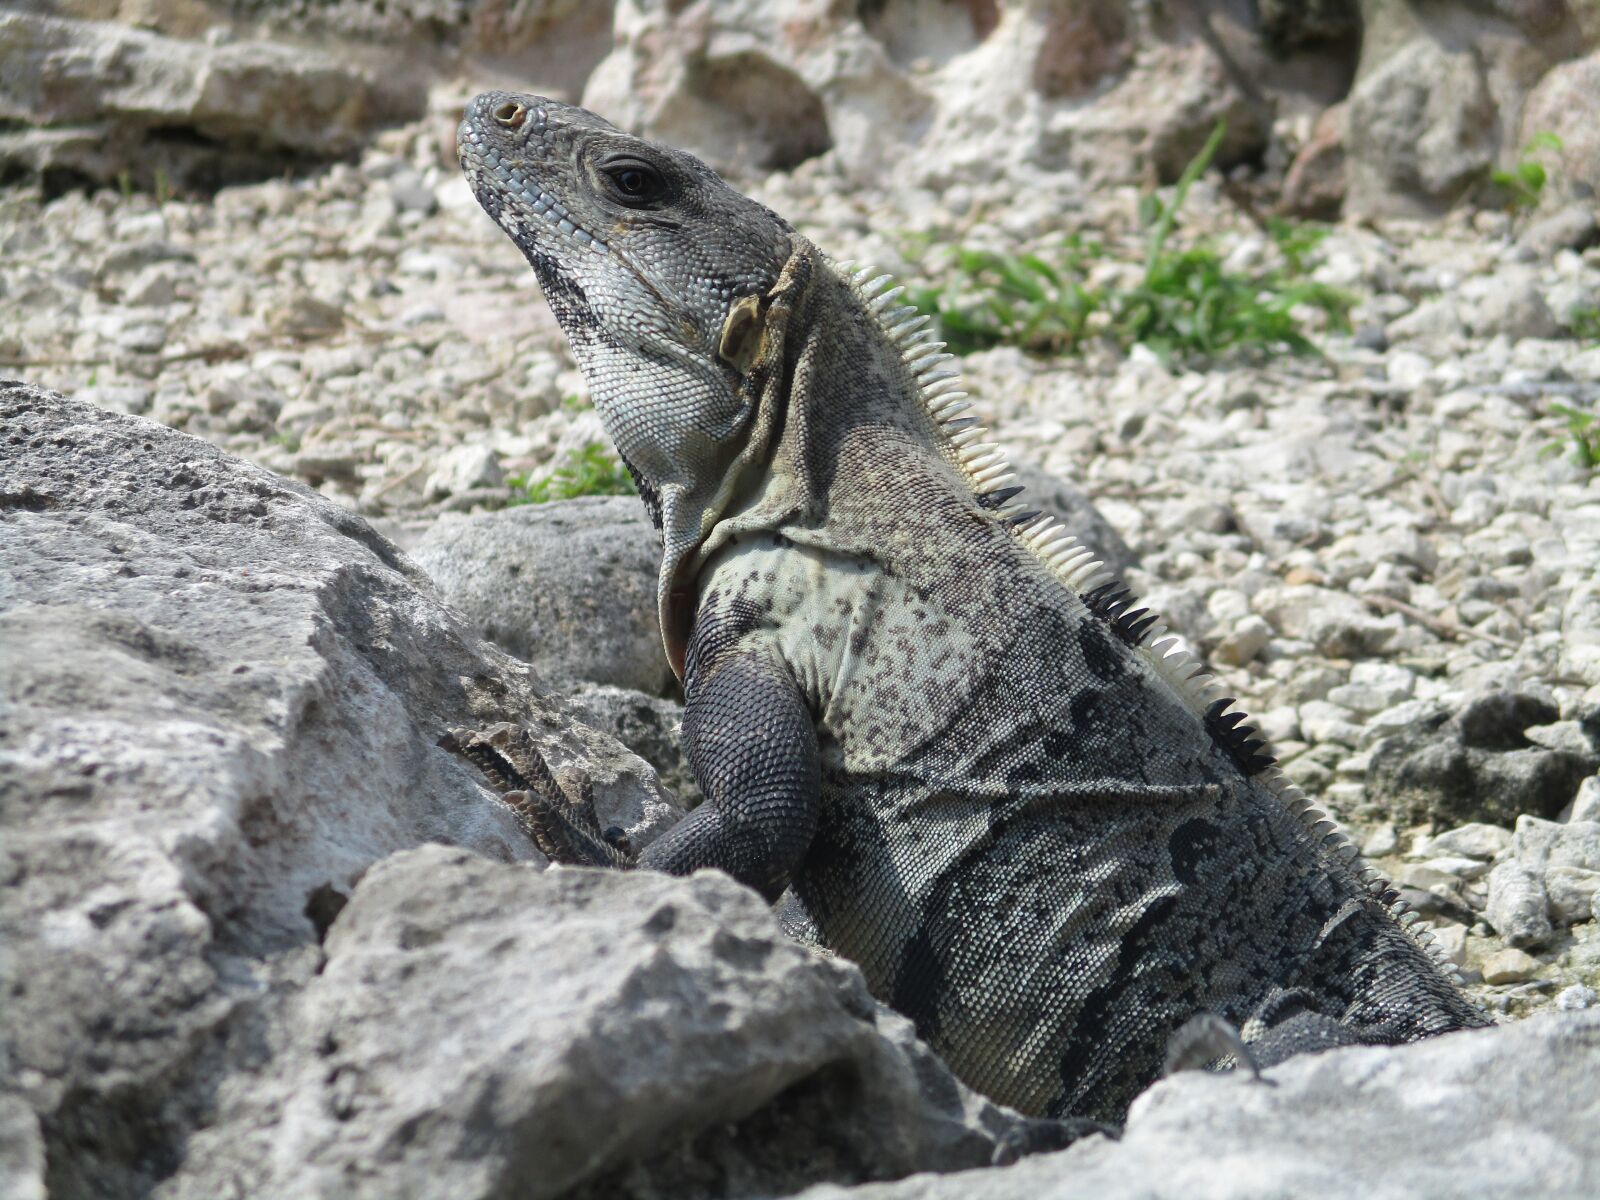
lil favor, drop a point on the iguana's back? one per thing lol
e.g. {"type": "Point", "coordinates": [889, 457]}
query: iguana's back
{"type": "Point", "coordinates": [1029, 839]}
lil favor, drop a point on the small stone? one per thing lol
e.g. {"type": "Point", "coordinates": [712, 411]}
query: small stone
{"type": "Point", "coordinates": [1428, 878]}
{"type": "Point", "coordinates": [1509, 304]}
{"type": "Point", "coordinates": [154, 285]}
{"type": "Point", "coordinates": [1518, 907]}
{"type": "Point", "coordinates": [1371, 337]}
{"type": "Point", "coordinates": [463, 468]}
{"type": "Point", "coordinates": [421, 314]}
{"type": "Point", "coordinates": [1562, 735]}
{"type": "Point", "coordinates": [1432, 320]}
{"type": "Point", "coordinates": [1307, 773]}
{"type": "Point", "coordinates": [1570, 228]}
{"type": "Point", "coordinates": [1366, 698]}
{"type": "Point", "coordinates": [1354, 766]}
{"type": "Point", "coordinates": [1325, 722]}
{"type": "Point", "coordinates": [302, 317]}
{"type": "Point", "coordinates": [1475, 840]}
{"type": "Point", "coordinates": [1451, 939]}
{"type": "Point", "coordinates": [1509, 966]}
{"type": "Point", "coordinates": [1456, 867]}
{"type": "Point", "coordinates": [1278, 725]}
{"type": "Point", "coordinates": [1407, 368]}
{"type": "Point", "coordinates": [1576, 996]}
{"type": "Point", "coordinates": [1409, 712]}
{"type": "Point", "coordinates": [411, 193]}
{"type": "Point", "coordinates": [1381, 841]}
{"type": "Point", "coordinates": [1572, 893]}
{"type": "Point", "coordinates": [1249, 636]}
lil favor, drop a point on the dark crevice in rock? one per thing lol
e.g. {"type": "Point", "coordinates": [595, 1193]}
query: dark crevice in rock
{"type": "Point", "coordinates": [787, 1145]}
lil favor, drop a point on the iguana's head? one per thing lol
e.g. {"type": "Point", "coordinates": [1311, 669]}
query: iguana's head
{"type": "Point", "coordinates": [659, 274]}
{"type": "Point", "coordinates": [642, 252]}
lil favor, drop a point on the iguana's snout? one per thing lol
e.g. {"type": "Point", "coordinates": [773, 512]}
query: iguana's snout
{"type": "Point", "coordinates": [637, 246]}
{"type": "Point", "coordinates": [514, 157]}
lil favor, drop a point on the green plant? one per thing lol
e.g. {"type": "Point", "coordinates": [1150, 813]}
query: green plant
{"type": "Point", "coordinates": [1296, 240]}
{"type": "Point", "coordinates": [1524, 183]}
{"type": "Point", "coordinates": [1584, 321]}
{"type": "Point", "coordinates": [1185, 304]}
{"type": "Point", "coordinates": [1188, 305]}
{"type": "Point", "coordinates": [588, 471]}
{"type": "Point", "coordinates": [1583, 436]}
{"type": "Point", "coordinates": [987, 298]}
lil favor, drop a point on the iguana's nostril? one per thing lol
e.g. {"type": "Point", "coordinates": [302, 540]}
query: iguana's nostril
{"type": "Point", "coordinates": [510, 114]}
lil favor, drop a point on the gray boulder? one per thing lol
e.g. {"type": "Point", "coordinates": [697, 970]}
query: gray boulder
{"type": "Point", "coordinates": [1563, 103]}
{"type": "Point", "coordinates": [569, 586]}
{"type": "Point", "coordinates": [1511, 1111]}
{"type": "Point", "coordinates": [1550, 878]}
{"type": "Point", "coordinates": [481, 1029]}
{"type": "Point", "coordinates": [1438, 93]}
{"type": "Point", "coordinates": [650, 726]}
{"type": "Point", "coordinates": [1477, 765]}
{"type": "Point", "coordinates": [1421, 130]}
{"type": "Point", "coordinates": [99, 100]}
{"type": "Point", "coordinates": [222, 701]}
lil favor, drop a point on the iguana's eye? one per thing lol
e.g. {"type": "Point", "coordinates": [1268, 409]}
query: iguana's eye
{"type": "Point", "coordinates": [633, 182]}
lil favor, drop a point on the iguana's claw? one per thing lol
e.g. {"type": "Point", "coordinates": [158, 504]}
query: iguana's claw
{"type": "Point", "coordinates": [557, 811]}
{"type": "Point", "coordinates": [1204, 1039]}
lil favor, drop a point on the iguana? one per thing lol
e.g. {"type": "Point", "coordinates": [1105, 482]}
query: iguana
{"type": "Point", "coordinates": [926, 711]}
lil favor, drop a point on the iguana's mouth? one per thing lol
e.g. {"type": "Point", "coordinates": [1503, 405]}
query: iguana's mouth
{"type": "Point", "coordinates": [496, 179]}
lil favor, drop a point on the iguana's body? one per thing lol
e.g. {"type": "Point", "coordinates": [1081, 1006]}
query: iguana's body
{"type": "Point", "coordinates": [989, 791]}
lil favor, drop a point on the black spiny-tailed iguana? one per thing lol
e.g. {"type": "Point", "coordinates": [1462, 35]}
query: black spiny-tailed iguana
{"type": "Point", "coordinates": [924, 710]}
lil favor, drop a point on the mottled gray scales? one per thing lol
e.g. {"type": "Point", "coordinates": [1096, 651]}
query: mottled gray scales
{"type": "Point", "coordinates": [910, 698]}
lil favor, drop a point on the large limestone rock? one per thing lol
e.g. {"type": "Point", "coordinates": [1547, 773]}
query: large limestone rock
{"type": "Point", "coordinates": [222, 697]}
{"type": "Point", "coordinates": [570, 586]}
{"type": "Point", "coordinates": [944, 92]}
{"type": "Point", "coordinates": [481, 1029]}
{"type": "Point", "coordinates": [100, 101]}
{"type": "Point", "coordinates": [1566, 102]}
{"type": "Point", "coordinates": [1490, 1112]}
{"type": "Point", "coordinates": [1439, 95]}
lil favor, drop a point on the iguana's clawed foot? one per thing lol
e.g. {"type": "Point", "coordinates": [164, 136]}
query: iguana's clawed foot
{"type": "Point", "coordinates": [557, 810]}
{"type": "Point", "coordinates": [1041, 1135]}
{"type": "Point", "coordinates": [1203, 1039]}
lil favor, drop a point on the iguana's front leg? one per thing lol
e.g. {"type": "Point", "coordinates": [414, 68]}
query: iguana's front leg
{"type": "Point", "coordinates": [753, 747]}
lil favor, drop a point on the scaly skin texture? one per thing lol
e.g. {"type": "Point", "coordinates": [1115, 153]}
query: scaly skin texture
{"type": "Point", "coordinates": [914, 705]}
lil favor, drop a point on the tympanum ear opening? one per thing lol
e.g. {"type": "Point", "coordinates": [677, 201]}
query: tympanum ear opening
{"type": "Point", "coordinates": [741, 334]}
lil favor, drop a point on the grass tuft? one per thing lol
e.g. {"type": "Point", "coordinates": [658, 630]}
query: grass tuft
{"type": "Point", "coordinates": [1186, 305]}
{"type": "Point", "coordinates": [589, 471]}
{"type": "Point", "coordinates": [1583, 436]}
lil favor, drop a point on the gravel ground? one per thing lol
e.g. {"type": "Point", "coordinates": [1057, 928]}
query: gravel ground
{"type": "Point", "coordinates": [1357, 542]}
